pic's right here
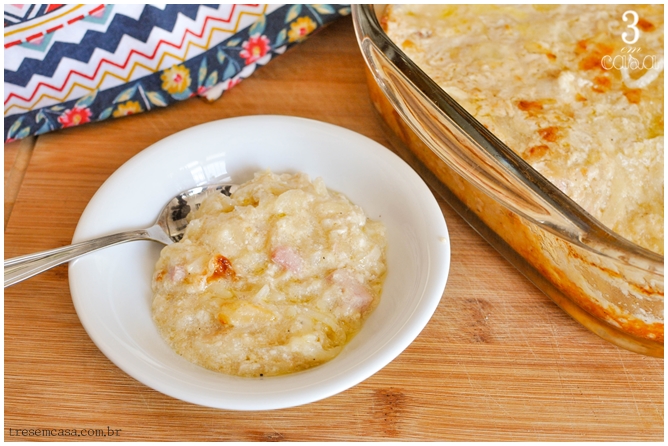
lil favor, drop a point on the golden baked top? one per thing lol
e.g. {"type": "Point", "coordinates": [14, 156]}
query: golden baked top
{"type": "Point", "coordinates": [576, 90]}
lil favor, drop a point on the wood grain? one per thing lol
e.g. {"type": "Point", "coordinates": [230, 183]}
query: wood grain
{"type": "Point", "coordinates": [498, 360]}
{"type": "Point", "coordinates": [17, 158]}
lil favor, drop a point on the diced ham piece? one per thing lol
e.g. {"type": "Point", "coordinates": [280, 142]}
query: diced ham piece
{"type": "Point", "coordinates": [355, 295]}
{"type": "Point", "coordinates": [176, 273]}
{"type": "Point", "coordinates": [288, 258]}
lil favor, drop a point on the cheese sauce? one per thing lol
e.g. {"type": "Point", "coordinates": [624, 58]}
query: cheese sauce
{"type": "Point", "coordinates": [276, 279]}
{"type": "Point", "coordinates": [558, 84]}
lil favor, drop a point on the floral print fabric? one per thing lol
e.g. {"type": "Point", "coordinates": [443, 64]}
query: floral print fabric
{"type": "Point", "coordinates": [207, 65]}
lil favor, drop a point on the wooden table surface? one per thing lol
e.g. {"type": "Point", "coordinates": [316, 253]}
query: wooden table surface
{"type": "Point", "coordinates": [498, 360]}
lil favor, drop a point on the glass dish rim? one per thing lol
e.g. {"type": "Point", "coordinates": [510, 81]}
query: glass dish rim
{"type": "Point", "coordinates": [600, 240]}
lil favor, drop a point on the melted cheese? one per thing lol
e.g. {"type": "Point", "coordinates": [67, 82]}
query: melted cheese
{"type": "Point", "coordinates": [560, 87]}
{"type": "Point", "coordinates": [276, 279]}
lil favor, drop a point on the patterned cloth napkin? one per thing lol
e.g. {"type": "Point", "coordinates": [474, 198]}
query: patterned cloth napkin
{"type": "Point", "coordinates": [67, 65]}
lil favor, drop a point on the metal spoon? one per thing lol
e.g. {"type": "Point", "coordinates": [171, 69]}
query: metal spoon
{"type": "Point", "coordinates": [169, 228]}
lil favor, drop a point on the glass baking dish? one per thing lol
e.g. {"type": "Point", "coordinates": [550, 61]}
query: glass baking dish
{"type": "Point", "coordinates": [610, 285]}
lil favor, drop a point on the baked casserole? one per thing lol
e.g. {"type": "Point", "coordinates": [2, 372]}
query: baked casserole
{"type": "Point", "coordinates": [274, 279]}
{"type": "Point", "coordinates": [546, 122]}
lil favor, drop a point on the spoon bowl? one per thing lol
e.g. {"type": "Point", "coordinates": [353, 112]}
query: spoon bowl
{"type": "Point", "coordinates": [168, 228]}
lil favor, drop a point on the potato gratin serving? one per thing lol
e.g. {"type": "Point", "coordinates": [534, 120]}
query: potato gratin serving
{"type": "Point", "coordinates": [275, 279]}
{"type": "Point", "coordinates": [576, 90]}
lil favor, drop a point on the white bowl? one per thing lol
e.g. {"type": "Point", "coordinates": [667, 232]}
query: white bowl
{"type": "Point", "coordinates": [111, 289]}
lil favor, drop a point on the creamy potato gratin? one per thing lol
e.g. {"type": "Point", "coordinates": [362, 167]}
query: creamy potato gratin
{"type": "Point", "coordinates": [274, 279]}
{"type": "Point", "coordinates": [563, 88]}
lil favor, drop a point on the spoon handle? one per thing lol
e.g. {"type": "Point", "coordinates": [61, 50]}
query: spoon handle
{"type": "Point", "coordinates": [20, 268]}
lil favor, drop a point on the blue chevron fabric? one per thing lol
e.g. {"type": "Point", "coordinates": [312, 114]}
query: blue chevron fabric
{"type": "Point", "coordinates": [68, 65]}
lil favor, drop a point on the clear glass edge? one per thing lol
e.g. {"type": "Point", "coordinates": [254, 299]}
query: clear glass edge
{"type": "Point", "coordinates": [594, 237]}
{"type": "Point", "coordinates": [597, 326]}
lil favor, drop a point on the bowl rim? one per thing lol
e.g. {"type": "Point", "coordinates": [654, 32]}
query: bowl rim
{"type": "Point", "coordinates": [116, 321]}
